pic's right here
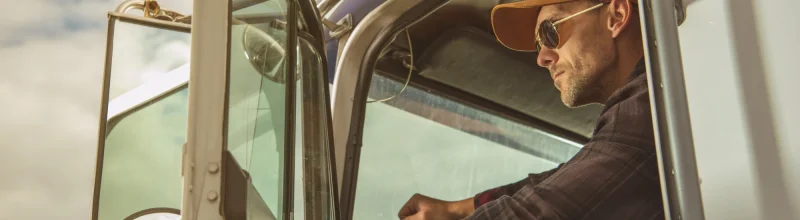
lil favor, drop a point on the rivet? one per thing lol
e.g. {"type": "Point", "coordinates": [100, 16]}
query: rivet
{"type": "Point", "coordinates": [212, 196]}
{"type": "Point", "coordinates": [673, 172]}
{"type": "Point", "coordinates": [213, 168]}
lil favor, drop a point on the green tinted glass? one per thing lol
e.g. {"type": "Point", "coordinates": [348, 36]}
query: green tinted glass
{"type": "Point", "coordinates": [257, 114]}
{"type": "Point", "coordinates": [257, 102]}
{"type": "Point", "coordinates": [142, 159]}
{"type": "Point", "coordinates": [419, 142]}
{"type": "Point", "coordinates": [146, 126]}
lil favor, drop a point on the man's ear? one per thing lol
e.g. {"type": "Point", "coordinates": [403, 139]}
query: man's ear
{"type": "Point", "coordinates": [620, 14]}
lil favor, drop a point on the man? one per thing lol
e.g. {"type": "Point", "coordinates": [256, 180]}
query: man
{"type": "Point", "coordinates": [593, 50]}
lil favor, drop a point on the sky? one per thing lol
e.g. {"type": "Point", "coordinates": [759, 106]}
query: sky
{"type": "Point", "coordinates": [52, 56]}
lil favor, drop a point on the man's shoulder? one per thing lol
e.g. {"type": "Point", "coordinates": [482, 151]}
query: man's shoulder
{"type": "Point", "coordinates": [626, 118]}
{"type": "Point", "coordinates": [625, 129]}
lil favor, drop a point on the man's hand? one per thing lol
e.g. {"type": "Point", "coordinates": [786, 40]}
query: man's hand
{"type": "Point", "coordinates": [421, 207]}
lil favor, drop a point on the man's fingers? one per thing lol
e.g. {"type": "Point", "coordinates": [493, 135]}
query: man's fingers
{"type": "Point", "coordinates": [410, 208]}
{"type": "Point", "coordinates": [406, 211]}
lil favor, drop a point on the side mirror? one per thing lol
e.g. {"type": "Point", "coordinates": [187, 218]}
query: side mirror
{"type": "Point", "coordinates": [265, 53]}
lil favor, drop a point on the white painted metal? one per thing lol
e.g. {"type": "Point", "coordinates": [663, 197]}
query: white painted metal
{"type": "Point", "coordinates": [203, 153]}
{"type": "Point", "coordinates": [775, 25]}
{"type": "Point", "coordinates": [149, 91]}
{"type": "Point", "coordinates": [741, 81]}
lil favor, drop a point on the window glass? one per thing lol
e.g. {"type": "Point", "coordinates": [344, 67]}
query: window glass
{"type": "Point", "coordinates": [256, 111]}
{"type": "Point", "coordinates": [142, 53]}
{"type": "Point", "coordinates": [142, 159]}
{"type": "Point", "coordinates": [423, 143]}
{"type": "Point", "coordinates": [257, 105]}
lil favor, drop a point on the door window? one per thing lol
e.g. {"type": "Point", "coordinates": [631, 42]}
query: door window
{"type": "Point", "coordinates": [140, 155]}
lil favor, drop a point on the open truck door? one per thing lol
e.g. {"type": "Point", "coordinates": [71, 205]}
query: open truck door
{"type": "Point", "coordinates": [240, 132]}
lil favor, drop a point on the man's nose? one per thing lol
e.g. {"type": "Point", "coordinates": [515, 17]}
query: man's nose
{"type": "Point", "coordinates": [546, 57]}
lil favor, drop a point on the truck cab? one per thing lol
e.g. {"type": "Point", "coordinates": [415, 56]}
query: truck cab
{"type": "Point", "coordinates": [343, 109]}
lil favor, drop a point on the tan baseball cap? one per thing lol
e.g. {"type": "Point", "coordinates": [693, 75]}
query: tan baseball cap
{"type": "Point", "coordinates": [514, 24]}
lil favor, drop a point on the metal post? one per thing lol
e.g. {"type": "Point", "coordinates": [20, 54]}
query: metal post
{"type": "Point", "coordinates": [207, 125]}
{"type": "Point", "coordinates": [291, 110]}
{"type": "Point", "coordinates": [672, 125]}
{"type": "Point", "coordinates": [102, 131]}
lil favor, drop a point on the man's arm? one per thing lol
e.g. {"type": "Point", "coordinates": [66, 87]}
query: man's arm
{"type": "Point", "coordinates": [509, 190]}
{"type": "Point", "coordinates": [604, 181]}
{"type": "Point", "coordinates": [423, 207]}
{"type": "Point", "coordinates": [614, 176]}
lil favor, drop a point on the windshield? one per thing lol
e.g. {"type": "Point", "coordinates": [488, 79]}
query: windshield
{"type": "Point", "coordinates": [419, 142]}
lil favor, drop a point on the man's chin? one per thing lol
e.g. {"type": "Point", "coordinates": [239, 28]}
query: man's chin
{"type": "Point", "coordinates": [572, 105]}
{"type": "Point", "coordinates": [572, 102]}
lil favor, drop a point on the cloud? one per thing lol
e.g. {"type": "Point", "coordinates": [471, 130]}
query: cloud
{"type": "Point", "coordinates": [52, 54]}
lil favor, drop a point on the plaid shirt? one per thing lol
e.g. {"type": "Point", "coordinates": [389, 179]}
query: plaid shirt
{"type": "Point", "coordinates": [614, 176]}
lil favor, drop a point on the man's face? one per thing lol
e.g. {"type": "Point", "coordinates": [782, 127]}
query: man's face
{"type": "Point", "coordinates": [584, 53]}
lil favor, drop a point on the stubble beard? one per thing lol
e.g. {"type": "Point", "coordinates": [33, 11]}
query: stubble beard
{"type": "Point", "coordinates": [589, 81]}
{"type": "Point", "coordinates": [575, 89]}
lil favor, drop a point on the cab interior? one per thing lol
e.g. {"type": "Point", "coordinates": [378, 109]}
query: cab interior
{"type": "Point", "coordinates": [474, 115]}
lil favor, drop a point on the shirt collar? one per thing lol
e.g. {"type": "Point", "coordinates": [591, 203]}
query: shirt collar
{"type": "Point", "coordinates": [639, 69]}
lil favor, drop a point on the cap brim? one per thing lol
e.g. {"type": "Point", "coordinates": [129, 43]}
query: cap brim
{"type": "Point", "coordinates": [514, 24]}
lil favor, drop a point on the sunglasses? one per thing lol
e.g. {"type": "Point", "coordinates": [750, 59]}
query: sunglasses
{"type": "Point", "coordinates": [548, 30]}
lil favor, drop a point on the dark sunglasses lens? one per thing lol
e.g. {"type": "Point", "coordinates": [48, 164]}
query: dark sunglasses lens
{"type": "Point", "coordinates": [548, 35]}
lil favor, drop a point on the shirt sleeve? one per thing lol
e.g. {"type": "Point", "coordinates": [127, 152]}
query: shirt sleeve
{"type": "Point", "coordinates": [508, 190]}
{"type": "Point", "coordinates": [595, 185]}
{"type": "Point", "coordinates": [614, 176]}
